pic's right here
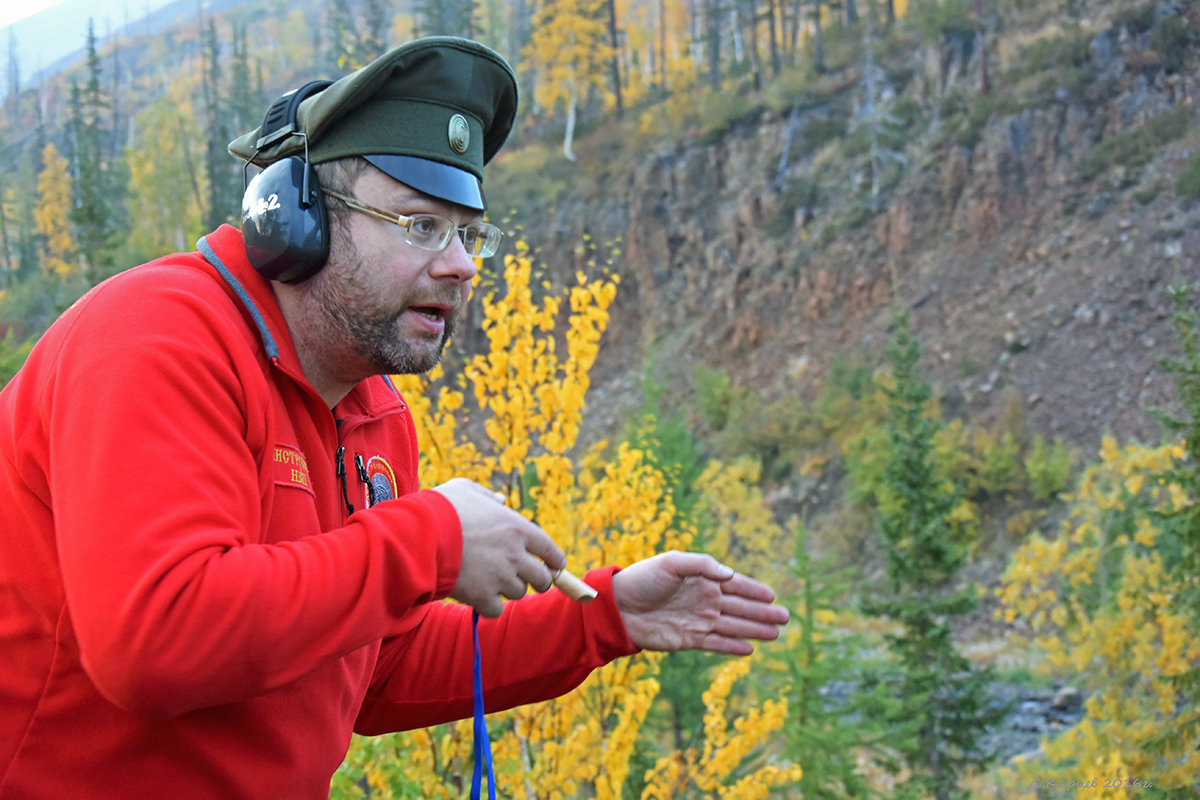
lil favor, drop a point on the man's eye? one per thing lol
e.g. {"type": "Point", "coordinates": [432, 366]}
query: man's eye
{"type": "Point", "coordinates": [424, 226]}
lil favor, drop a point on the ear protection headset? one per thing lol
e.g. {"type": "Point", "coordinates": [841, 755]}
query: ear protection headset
{"type": "Point", "coordinates": [284, 222]}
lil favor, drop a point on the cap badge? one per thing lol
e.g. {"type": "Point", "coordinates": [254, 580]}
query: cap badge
{"type": "Point", "coordinates": [459, 134]}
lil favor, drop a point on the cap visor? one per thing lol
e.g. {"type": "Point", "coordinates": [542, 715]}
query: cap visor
{"type": "Point", "coordinates": [433, 178]}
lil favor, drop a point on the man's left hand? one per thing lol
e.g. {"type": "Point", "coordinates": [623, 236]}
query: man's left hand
{"type": "Point", "coordinates": [690, 601]}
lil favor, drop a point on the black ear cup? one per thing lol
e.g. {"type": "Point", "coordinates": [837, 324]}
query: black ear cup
{"type": "Point", "coordinates": [284, 222]}
{"type": "Point", "coordinates": [283, 210]}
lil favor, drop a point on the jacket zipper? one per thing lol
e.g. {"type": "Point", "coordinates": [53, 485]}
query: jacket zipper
{"type": "Point", "coordinates": [361, 466]}
{"type": "Point", "coordinates": [341, 474]}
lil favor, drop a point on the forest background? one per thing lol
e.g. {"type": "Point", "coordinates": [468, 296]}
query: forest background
{"type": "Point", "coordinates": [874, 301]}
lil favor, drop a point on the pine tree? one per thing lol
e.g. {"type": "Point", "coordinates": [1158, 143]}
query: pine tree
{"type": "Point", "coordinates": [822, 732]}
{"type": "Point", "coordinates": [376, 18]}
{"type": "Point", "coordinates": [936, 702]}
{"type": "Point", "coordinates": [714, 11]}
{"type": "Point", "coordinates": [98, 189]}
{"type": "Point", "coordinates": [246, 104]}
{"type": "Point", "coordinates": [342, 35]}
{"type": "Point", "coordinates": [447, 17]}
{"type": "Point", "coordinates": [28, 259]}
{"type": "Point", "coordinates": [1183, 523]}
{"type": "Point", "coordinates": [13, 95]}
{"type": "Point", "coordinates": [668, 444]}
{"type": "Point", "coordinates": [219, 168]}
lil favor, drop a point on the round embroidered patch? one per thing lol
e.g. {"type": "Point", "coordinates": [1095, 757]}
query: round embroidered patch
{"type": "Point", "coordinates": [383, 479]}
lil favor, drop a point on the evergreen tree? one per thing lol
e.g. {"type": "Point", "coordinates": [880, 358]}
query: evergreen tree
{"type": "Point", "coordinates": [447, 17]}
{"type": "Point", "coordinates": [7, 267]}
{"type": "Point", "coordinates": [28, 261]}
{"type": "Point", "coordinates": [714, 10]}
{"type": "Point", "coordinates": [671, 447]}
{"type": "Point", "coordinates": [1182, 525]}
{"type": "Point", "coordinates": [339, 25]}
{"type": "Point", "coordinates": [246, 106]}
{"type": "Point", "coordinates": [935, 701]}
{"type": "Point", "coordinates": [13, 95]}
{"type": "Point", "coordinates": [376, 19]}
{"type": "Point", "coordinates": [824, 731]}
{"type": "Point", "coordinates": [219, 168]}
{"type": "Point", "coordinates": [98, 190]}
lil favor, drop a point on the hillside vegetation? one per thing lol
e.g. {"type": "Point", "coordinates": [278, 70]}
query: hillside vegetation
{"type": "Point", "coordinates": [870, 300]}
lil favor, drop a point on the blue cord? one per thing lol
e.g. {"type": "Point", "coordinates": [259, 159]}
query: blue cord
{"type": "Point", "coordinates": [483, 746]}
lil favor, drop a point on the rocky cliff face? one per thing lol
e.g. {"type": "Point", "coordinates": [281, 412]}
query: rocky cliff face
{"type": "Point", "coordinates": [1033, 243]}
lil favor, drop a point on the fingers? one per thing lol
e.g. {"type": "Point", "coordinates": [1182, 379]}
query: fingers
{"type": "Point", "coordinates": [543, 547]}
{"type": "Point", "coordinates": [747, 613]}
{"type": "Point", "coordinates": [698, 565]}
{"type": "Point", "coordinates": [534, 572]}
{"type": "Point", "coordinates": [744, 586]}
{"type": "Point", "coordinates": [503, 553]}
{"type": "Point", "coordinates": [732, 635]}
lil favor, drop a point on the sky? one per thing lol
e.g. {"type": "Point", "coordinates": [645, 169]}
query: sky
{"type": "Point", "coordinates": [12, 11]}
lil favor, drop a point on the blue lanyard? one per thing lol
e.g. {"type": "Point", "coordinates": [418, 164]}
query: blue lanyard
{"type": "Point", "coordinates": [483, 747]}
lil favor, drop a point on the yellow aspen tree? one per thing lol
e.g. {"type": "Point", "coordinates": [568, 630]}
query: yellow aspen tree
{"type": "Point", "coordinates": [166, 195]}
{"type": "Point", "coordinates": [527, 395]}
{"type": "Point", "coordinates": [569, 55]}
{"type": "Point", "coordinates": [744, 534]}
{"type": "Point", "coordinates": [51, 213]}
{"type": "Point", "coordinates": [1097, 599]}
{"type": "Point", "coordinates": [707, 770]}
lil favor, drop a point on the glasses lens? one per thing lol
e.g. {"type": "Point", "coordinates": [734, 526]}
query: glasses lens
{"type": "Point", "coordinates": [428, 231]}
{"type": "Point", "coordinates": [481, 239]}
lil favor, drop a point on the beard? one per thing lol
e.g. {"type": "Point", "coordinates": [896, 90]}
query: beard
{"type": "Point", "coordinates": [356, 317]}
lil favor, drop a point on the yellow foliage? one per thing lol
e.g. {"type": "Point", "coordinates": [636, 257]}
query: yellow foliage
{"type": "Point", "coordinates": [50, 213]}
{"type": "Point", "coordinates": [569, 51]}
{"type": "Point", "coordinates": [745, 534]}
{"type": "Point", "coordinates": [709, 767]}
{"type": "Point", "coordinates": [601, 508]}
{"type": "Point", "coordinates": [1098, 603]}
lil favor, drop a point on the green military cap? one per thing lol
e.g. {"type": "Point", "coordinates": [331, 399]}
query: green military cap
{"type": "Point", "coordinates": [429, 113]}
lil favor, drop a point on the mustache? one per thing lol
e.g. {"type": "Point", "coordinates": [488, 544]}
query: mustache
{"type": "Point", "coordinates": [451, 297]}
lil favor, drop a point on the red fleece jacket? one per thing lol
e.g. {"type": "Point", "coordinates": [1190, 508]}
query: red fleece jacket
{"type": "Point", "coordinates": [188, 608]}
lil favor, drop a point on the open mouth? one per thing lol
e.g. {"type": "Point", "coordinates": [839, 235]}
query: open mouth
{"type": "Point", "coordinates": [430, 312]}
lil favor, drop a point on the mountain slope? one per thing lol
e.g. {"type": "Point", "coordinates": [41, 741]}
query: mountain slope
{"type": "Point", "coordinates": [1033, 230]}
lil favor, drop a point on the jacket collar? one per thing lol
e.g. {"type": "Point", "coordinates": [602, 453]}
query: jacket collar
{"type": "Point", "coordinates": [225, 251]}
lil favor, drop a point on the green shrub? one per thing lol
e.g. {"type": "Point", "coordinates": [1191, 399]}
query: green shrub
{"type": "Point", "coordinates": [1187, 184]}
{"type": "Point", "coordinates": [1172, 40]}
{"type": "Point", "coordinates": [714, 395]}
{"type": "Point", "coordinates": [13, 353]}
{"type": "Point", "coordinates": [999, 462]}
{"type": "Point", "coordinates": [1136, 20]}
{"type": "Point", "coordinates": [720, 110]}
{"type": "Point", "coordinates": [947, 19]}
{"type": "Point", "coordinates": [1134, 148]}
{"type": "Point", "coordinates": [1048, 468]}
{"type": "Point", "coordinates": [533, 178]}
{"type": "Point", "coordinates": [798, 193]}
{"type": "Point", "coordinates": [794, 88]}
{"type": "Point", "coordinates": [1053, 55]}
{"type": "Point", "coordinates": [819, 130]}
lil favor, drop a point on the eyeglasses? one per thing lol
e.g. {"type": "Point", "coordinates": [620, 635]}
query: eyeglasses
{"type": "Point", "coordinates": [432, 231]}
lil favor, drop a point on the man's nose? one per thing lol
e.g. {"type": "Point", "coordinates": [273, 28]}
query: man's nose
{"type": "Point", "coordinates": [454, 262]}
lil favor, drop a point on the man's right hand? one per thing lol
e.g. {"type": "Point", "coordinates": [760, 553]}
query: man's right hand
{"type": "Point", "coordinates": [502, 551]}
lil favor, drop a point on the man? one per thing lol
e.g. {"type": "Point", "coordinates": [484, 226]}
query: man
{"type": "Point", "coordinates": [215, 560]}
